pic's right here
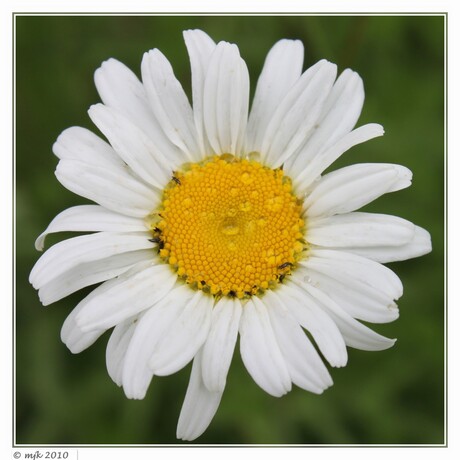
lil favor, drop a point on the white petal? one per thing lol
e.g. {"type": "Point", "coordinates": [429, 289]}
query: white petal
{"type": "Point", "coordinates": [130, 293]}
{"type": "Point", "coordinates": [311, 163]}
{"type": "Point", "coordinates": [169, 102]}
{"type": "Point", "coordinates": [352, 187]}
{"type": "Point", "coordinates": [90, 167]}
{"type": "Point", "coordinates": [367, 271]}
{"type": "Point", "coordinates": [226, 99]}
{"type": "Point", "coordinates": [338, 117]}
{"type": "Point", "coordinates": [359, 229]}
{"type": "Point", "coordinates": [117, 190]}
{"type": "Point", "coordinates": [68, 254]}
{"type": "Point", "coordinates": [185, 336]}
{"type": "Point", "coordinates": [296, 115]}
{"type": "Point", "coordinates": [418, 246]}
{"type": "Point", "coordinates": [199, 407]}
{"type": "Point", "coordinates": [260, 351]}
{"type": "Point", "coordinates": [356, 335]}
{"type": "Point", "coordinates": [342, 108]}
{"type": "Point", "coordinates": [80, 144]}
{"type": "Point", "coordinates": [358, 299]}
{"type": "Point", "coordinates": [306, 368]}
{"type": "Point", "coordinates": [90, 218]}
{"type": "Point", "coordinates": [153, 325]}
{"type": "Point", "coordinates": [117, 346]}
{"type": "Point", "coordinates": [317, 322]}
{"type": "Point", "coordinates": [75, 339]}
{"type": "Point", "coordinates": [200, 47]}
{"type": "Point", "coordinates": [136, 149]}
{"type": "Point", "coordinates": [120, 89]}
{"type": "Point", "coordinates": [282, 68]}
{"type": "Point", "coordinates": [364, 289]}
{"type": "Point", "coordinates": [220, 344]}
{"type": "Point", "coordinates": [88, 273]}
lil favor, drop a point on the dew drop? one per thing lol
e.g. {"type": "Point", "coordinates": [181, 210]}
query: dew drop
{"type": "Point", "coordinates": [234, 263]}
{"type": "Point", "coordinates": [230, 230]}
{"type": "Point", "coordinates": [254, 156]}
{"type": "Point", "coordinates": [231, 246]}
{"type": "Point", "coordinates": [246, 178]}
{"type": "Point", "coordinates": [187, 202]}
{"type": "Point", "coordinates": [261, 222]}
{"type": "Point", "coordinates": [230, 227]}
{"type": "Point", "coordinates": [250, 226]}
{"type": "Point", "coordinates": [246, 206]}
{"type": "Point", "coordinates": [207, 216]}
{"type": "Point", "coordinates": [274, 204]}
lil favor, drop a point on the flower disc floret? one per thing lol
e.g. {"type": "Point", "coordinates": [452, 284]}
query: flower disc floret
{"type": "Point", "coordinates": [230, 226]}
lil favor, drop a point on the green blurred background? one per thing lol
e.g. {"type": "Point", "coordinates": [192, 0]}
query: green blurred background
{"type": "Point", "coordinates": [395, 396]}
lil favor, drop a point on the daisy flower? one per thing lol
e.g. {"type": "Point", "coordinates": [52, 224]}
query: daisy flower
{"type": "Point", "coordinates": [213, 221]}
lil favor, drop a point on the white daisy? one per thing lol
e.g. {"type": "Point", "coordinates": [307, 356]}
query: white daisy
{"type": "Point", "coordinates": [210, 223]}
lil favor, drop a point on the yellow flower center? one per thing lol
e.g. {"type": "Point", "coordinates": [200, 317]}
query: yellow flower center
{"type": "Point", "coordinates": [230, 226]}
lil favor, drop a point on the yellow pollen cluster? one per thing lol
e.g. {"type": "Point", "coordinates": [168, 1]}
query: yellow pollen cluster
{"type": "Point", "coordinates": [229, 226]}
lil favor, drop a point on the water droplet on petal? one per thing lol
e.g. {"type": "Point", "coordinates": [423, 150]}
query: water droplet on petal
{"type": "Point", "coordinates": [254, 156]}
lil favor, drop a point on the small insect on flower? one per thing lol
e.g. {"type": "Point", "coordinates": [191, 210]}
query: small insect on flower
{"type": "Point", "coordinates": [247, 218]}
{"type": "Point", "coordinates": [285, 265]}
{"type": "Point", "coordinates": [176, 180]}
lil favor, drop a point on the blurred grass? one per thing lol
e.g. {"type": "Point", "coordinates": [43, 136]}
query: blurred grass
{"type": "Point", "coordinates": [396, 396]}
